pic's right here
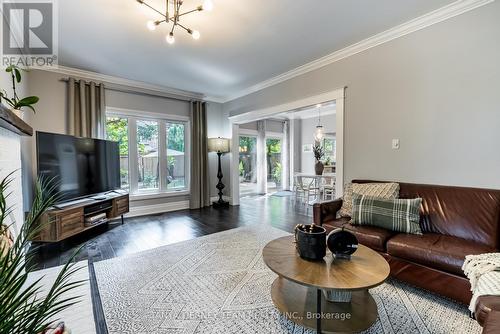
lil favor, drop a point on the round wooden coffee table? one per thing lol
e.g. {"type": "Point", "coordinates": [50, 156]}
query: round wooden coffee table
{"type": "Point", "coordinates": [329, 295]}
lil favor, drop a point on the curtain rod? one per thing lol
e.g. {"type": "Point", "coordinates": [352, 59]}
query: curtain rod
{"type": "Point", "coordinates": [118, 88]}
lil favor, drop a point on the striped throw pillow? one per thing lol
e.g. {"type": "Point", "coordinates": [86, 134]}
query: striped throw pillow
{"type": "Point", "coordinates": [400, 215]}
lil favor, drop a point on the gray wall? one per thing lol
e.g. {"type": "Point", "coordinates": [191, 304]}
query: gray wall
{"type": "Point", "coordinates": [437, 90]}
{"type": "Point", "coordinates": [51, 117]}
{"type": "Point", "coordinates": [216, 128]}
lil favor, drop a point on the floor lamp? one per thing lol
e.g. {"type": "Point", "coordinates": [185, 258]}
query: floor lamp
{"type": "Point", "coordinates": [220, 146]}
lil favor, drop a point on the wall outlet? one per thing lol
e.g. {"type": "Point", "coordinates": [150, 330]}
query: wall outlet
{"type": "Point", "coordinates": [395, 144]}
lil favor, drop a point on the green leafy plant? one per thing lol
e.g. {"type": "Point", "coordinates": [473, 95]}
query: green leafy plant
{"type": "Point", "coordinates": [318, 151]}
{"type": "Point", "coordinates": [277, 173]}
{"type": "Point", "coordinates": [241, 169]}
{"type": "Point", "coordinates": [28, 308]}
{"type": "Point", "coordinates": [15, 102]}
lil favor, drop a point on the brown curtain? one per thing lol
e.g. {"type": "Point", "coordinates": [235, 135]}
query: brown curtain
{"type": "Point", "coordinates": [86, 109]}
{"type": "Point", "coordinates": [200, 185]}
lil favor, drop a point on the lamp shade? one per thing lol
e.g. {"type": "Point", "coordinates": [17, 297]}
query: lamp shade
{"type": "Point", "coordinates": [219, 145]}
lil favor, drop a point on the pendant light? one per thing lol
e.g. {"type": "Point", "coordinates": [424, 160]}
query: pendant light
{"type": "Point", "coordinates": [319, 133]}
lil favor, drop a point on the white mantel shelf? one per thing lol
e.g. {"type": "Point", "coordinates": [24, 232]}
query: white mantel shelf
{"type": "Point", "coordinates": [11, 122]}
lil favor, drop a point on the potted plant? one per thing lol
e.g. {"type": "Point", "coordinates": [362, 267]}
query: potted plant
{"type": "Point", "coordinates": [23, 308]}
{"type": "Point", "coordinates": [319, 153]}
{"type": "Point", "coordinates": [15, 102]}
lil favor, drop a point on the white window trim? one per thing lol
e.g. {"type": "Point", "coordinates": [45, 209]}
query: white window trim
{"type": "Point", "coordinates": [248, 133]}
{"type": "Point", "coordinates": [133, 116]}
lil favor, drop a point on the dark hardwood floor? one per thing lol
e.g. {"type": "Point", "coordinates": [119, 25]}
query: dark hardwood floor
{"type": "Point", "coordinates": [147, 232]}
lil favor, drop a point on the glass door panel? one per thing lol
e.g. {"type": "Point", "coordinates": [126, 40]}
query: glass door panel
{"type": "Point", "coordinates": [248, 165]}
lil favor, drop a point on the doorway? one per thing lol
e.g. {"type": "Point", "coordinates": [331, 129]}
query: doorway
{"type": "Point", "coordinates": [334, 145]}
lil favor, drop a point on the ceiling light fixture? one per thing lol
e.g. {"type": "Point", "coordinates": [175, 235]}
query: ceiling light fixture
{"type": "Point", "coordinates": [319, 133]}
{"type": "Point", "coordinates": [173, 15]}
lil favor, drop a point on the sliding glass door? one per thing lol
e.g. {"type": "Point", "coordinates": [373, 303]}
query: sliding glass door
{"type": "Point", "coordinates": [248, 165]}
{"type": "Point", "coordinates": [274, 164]}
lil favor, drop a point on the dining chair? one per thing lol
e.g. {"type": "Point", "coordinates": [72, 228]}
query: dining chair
{"type": "Point", "coordinates": [328, 189]}
{"type": "Point", "coordinates": [298, 190]}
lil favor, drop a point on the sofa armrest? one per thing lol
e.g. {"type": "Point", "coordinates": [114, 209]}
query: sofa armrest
{"type": "Point", "coordinates": [492, 324]}
{"type": "Point", "coordinates": [326, 211]}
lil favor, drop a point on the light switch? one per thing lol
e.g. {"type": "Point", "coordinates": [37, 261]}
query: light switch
{"type": "Point", "coordinates": [395, 144]}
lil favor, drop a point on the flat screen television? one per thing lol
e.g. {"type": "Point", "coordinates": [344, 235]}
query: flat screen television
{"type": "Point", "coordinates": [80, 167]}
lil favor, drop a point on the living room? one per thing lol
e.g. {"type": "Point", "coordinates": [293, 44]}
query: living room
{"type": "Point", "coordinates": [224, 167]}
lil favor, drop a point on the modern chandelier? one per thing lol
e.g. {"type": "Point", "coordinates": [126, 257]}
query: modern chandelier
{"type": "Point", "coordinates": [173, 14]}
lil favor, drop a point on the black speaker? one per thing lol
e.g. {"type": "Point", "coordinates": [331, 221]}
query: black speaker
{"type": "Point", "coordinates": [342, 243]}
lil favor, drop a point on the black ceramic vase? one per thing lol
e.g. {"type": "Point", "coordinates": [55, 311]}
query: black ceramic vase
{"type": "Point", "coordinates": [311, 241]}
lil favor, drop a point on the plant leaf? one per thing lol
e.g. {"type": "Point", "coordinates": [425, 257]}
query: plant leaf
{"type": "Point", "coordinates": [28, 101]}
{"type": "Point", "coordinates": [18, 75]}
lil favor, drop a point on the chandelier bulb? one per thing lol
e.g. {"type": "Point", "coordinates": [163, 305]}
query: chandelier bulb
{"type": "Point", "coordinates": [151, 25]}
{"type": "Point", "coordinates": [195, 34]}
{"type": "Point", "coordinates": [170, 38]}
{"type": "Point", "coordinates": [208, 5]}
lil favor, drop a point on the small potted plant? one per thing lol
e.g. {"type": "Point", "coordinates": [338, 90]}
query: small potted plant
{"type": "Point", "coordinates": [319, 153]}
{"type": "Point", "coordinates": [15, 102]}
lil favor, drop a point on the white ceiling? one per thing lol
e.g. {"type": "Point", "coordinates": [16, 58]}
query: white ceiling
{"type": "Point", "coordinates": [242, 42]}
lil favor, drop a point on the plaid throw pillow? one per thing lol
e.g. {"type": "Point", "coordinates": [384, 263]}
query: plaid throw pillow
{"type": "Point", "coordinates": [400, 215]}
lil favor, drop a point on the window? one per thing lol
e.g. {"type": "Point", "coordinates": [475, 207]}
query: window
{"type": "Point", "coordinates": [153, 152]}
{"type": "Point", "coordinates": [330, 146]}
{"type": "Point", "coordinates": [176, 169]}
{"type": "Point", "coordinates": [147, 154]}
{"type": "Point", "coordinates": [117, 130]}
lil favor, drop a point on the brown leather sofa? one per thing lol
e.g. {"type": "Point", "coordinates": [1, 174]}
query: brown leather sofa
{"type": "Point", "coordinates": [456, 221]}
{"type": "Point", "coordinates": [487, 313]}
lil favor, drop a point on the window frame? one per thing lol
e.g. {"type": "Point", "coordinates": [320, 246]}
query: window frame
{"type": "Point", "coordinates": [133, 116]}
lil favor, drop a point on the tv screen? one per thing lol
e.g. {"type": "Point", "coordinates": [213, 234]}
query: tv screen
{"type": "Point", "coordinates": [80, 166]}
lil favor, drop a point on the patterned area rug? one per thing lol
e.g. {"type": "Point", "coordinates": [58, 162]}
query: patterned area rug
{"type": "Point", "coordinates": [220, 284]}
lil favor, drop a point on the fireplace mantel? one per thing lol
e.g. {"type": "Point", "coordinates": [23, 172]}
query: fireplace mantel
{"type": "Point", "coordinates": [11, 122]}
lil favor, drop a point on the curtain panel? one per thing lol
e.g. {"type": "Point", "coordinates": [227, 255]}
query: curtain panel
{"type": "Point", "coordinates": [86, 109]}
{"type": "Point", "coordinates": [200, 185]}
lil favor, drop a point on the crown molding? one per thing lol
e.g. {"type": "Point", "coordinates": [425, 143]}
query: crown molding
{"type": "Point", "coordinates": [161, 90]}
{"type": "Point", "coordinates": [439, 15]}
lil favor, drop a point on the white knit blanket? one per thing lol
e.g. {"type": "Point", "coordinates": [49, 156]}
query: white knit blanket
{"type": "Point", "coordinates": [483, 272]}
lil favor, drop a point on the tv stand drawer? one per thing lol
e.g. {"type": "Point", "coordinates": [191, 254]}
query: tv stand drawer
{"type": "Point", "coordinates": [70, 223]}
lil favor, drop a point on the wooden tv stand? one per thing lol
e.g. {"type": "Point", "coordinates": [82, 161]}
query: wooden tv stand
{"type": "Point", "coordinates": [60, 224]}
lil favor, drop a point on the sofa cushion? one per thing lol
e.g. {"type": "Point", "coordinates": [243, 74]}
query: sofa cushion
{"type": "Point", "coordinates": [399, 215]}
{"type": "Point", "coordinates": [434, 250]}
{"type": "Point", "coordinates": [373, 237]}
{"type": "Point", "coordinates": [381, 190]}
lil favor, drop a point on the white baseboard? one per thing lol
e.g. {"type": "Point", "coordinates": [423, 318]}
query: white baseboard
{"type": "Point", "coordinates": [157, 208]}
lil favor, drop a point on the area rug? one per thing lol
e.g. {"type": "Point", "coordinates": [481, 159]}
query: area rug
{"type": "Point", "coordinates": [220, 284]}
